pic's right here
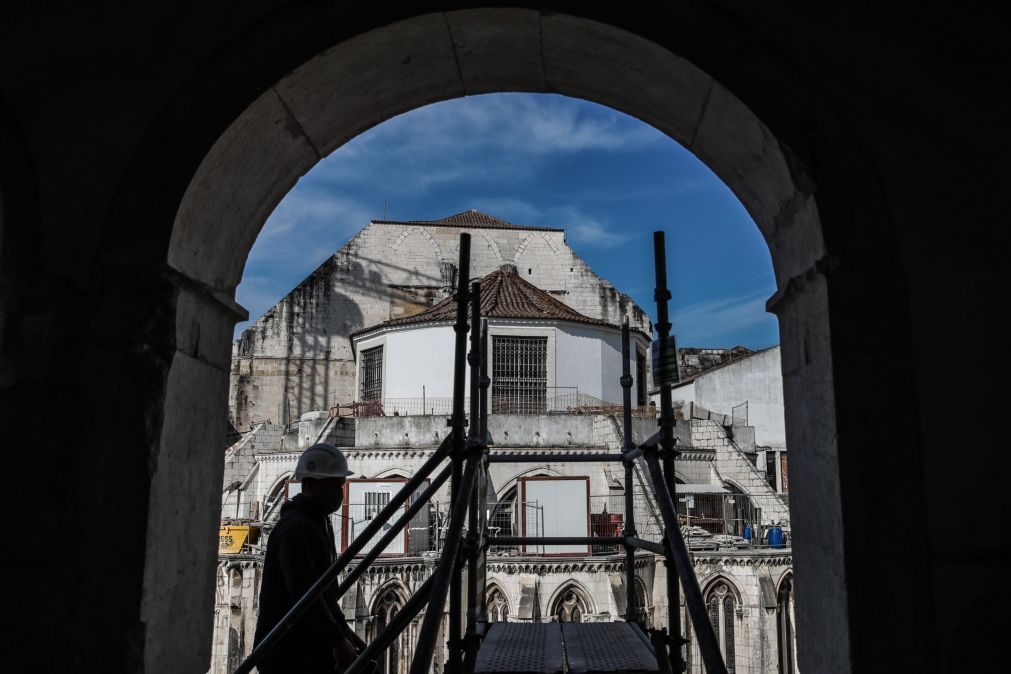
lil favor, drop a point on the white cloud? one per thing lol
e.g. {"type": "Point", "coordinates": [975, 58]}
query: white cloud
{"type": "Point", "coordinates": [591, 233]}
{"type": "Point", "coordinates": [708, 322]}
{"type": "Point", "coordinates": [482, 138]}
{"type": "Point", "coordinates": [309, 223]}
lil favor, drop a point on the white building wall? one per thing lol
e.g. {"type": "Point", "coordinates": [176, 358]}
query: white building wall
{"type": "Point", "coordinates": [758, 380]}
{"type": "Point", "coordinates": [578, 359]}
{"type": "Point", "coordinates": [299, 351]}
{"type": "Point", "coordinates": [684, 394]}
{"type": "Point", "coordinates": [414, 358]}
{"type": "Point", "coordinates": [587, 358]}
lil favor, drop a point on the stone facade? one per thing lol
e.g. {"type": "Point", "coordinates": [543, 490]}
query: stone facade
{"type": "Point", "coordinates": [522, 587]}
{"type": "Point", "coordinates": [298, 356]}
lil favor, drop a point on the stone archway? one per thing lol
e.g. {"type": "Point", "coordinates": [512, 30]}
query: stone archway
{"type": "Point", "coordinates": [367, 79]}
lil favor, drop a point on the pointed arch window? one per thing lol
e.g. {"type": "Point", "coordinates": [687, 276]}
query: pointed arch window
{"type": "Point", "coordinates": [722, 604]}
{"type": "Point", "coordinates": [386, 609]}
{"type": "Point", "coordinates": [570, 607]}
{"type": "Point", "coordinates": [642, 607]}
{"type": "Point", "coordinates": [784, 628]}
{"type": "Point", "coordinates": [498, 606]}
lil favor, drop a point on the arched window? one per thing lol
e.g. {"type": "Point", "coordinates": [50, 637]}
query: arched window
{"type": "Point", "coordinates": [570, 607]}
{"type": "Point", "coordinates": [498, 606]}
{"type": "Point", "coordinates": [386, 609]}
{"type": "Point", "coordinates": [721, 604]}
{"type": "Point", "coordinates": [784, 627]}
{"type": "Point", "coordinates": [642, 606]}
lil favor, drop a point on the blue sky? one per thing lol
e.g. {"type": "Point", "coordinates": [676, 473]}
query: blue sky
{"type": "Point", "coordinates": [545, 160]}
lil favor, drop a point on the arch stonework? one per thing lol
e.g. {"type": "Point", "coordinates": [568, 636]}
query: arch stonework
{"type": "Point", "coordinates": [575, 586]}
{"type": "Point", "coordinates": [121, 249]}
{"type": "Point", "coordinates": [312, 111]}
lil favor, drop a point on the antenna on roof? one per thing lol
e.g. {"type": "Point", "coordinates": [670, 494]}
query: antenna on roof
{"type": "Point", "coordinates": [384, 209]}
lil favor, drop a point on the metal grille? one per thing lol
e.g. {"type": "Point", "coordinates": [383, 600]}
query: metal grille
{"type": "Point", "coordinates": [372, 373]}
{"type": "Point", "coordinates": [521, 648]}
{"type": "Point", "coordinates": [606, 647]}
{"type": "Point", "coordinates": [519, 375]}
{"type": "Point", "coordinates": [374, 502]}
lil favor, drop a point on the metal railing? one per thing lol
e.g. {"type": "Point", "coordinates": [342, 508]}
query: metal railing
{"type": "Point", "coordinates": [467, 548]}
{"type": "Point", "coordinates": [550, 400]}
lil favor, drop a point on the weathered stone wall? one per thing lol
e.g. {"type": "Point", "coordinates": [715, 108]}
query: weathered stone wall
{"type": "Point", "coordinates": [236, 607]}
{"type": "Point", "coordinates": [300, 348]}
{"type": "Point", "coordinates": [258, 386]}
{"type": "Point", "coordinates": [754, 578]}
{"type": "Point", "coordinates": [731, 465]}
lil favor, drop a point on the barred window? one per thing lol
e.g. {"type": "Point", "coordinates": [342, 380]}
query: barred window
{"type": "Point", "coordinates": [371, 376]}
{"type": "Point", "coordinates": [374, 502]}
{"type": "Point", "coordinates": [519, 375]}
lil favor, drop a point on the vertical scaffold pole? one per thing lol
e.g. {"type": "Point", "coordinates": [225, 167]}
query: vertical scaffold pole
{"type": "Point", "coordinates": [458, 423]}
{"type": "Point", "coordinates": [476, 438]}
{"type": "Point", "coordinates": [629, 531]}
{"type": "Point", "coordinates": [662, 295]}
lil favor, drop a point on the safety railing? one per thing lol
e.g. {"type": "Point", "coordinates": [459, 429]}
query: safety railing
{"type": "Point", "coordinates": [550, 400]}
{"type": "Point", "coordinates": [466, 547]}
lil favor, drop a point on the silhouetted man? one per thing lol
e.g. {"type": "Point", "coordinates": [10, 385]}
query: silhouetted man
{"type": "Point", "coordinates": [300, 548]}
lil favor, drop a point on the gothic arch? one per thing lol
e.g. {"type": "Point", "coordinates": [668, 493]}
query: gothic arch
{"type": "Point", "coordinates": [642, 603]}
{"type": "Point", "coordinates": [513, 481]}
{"type": "Point", "coordinates": [571, 596]}
{"type": "Point", "coordinates": [425, 234]}
{"type": "Point", "coordinates": [394, 472]}
{"type": "Point", "coordinates": [429, 269]}
{"type": "Point", "coordinates": [278, 484]}
{"type": "Point", "coordinates": [393, 585]}
{"type": "Point", "coordinates": [387, 601]}
{"type": "Point", "coordinates": [497, 602]}
{"type": "Point", "coordinates": [723, 605]}
{"type": "Point", "coordinates": [709, 583]}
{"type": "Point", "coordinates": [786, 577]}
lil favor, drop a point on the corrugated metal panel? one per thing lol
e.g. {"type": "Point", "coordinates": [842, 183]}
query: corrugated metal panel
{"type": "Point", "coordinates": [564, 511]}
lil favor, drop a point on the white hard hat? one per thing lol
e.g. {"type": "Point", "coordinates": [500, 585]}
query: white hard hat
{"type": "Point", "coordinates": [322, 461]}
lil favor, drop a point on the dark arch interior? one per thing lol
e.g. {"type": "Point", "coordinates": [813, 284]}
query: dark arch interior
{"type": "Point", "coordinates": [890, 123]}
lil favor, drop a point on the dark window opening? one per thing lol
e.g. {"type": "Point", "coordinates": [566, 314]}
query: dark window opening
{"type": "Point", "coordinates": [372, 374]}
{"type": "Point", "coordinates": [519, 375]}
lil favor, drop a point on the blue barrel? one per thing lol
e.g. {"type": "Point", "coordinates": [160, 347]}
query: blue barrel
{"type": "Point", "coordinates": [776, 537]}
{"type": "Point", "coordinates": [747, 533]}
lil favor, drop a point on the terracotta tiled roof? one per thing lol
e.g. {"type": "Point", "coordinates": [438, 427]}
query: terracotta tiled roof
{"type": "Point", "coordinates": [504, 294]}
{"type": "Point", "coordinates": [473, 219]}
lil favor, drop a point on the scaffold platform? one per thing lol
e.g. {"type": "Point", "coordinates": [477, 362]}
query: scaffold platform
{"type": "Point", "coordinates": [575, 648]}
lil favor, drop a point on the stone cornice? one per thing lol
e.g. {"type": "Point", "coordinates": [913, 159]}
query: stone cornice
{"type": "Point", "coordinates": [757, 558]}
{"type": "Point", "coordinates": [696, 454]}
{"type": "Point", "coordinates": [389, 452]}
{"type": "Point", "coordinates": [546, 566]}
{"type": "Point", "coordinates": [277, 457]}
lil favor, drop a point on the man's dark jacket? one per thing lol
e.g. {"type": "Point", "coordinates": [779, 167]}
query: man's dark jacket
{"type": "Point", "coordinates": [300, 548]}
